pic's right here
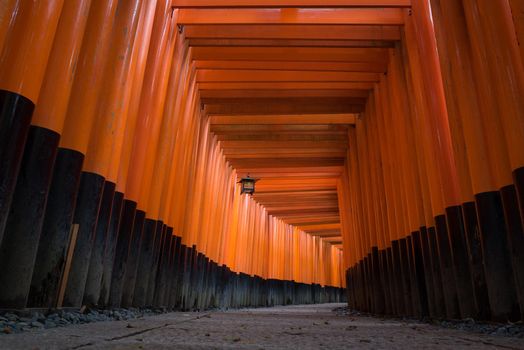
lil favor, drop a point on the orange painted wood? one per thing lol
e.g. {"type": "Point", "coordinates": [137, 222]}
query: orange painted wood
{"type": "Point", "coordinates": [331, 54]}
{"type": "Point", "coordinates": [88, 78]}
{"type": "Point", "coordinates": [215, 75]}
{"type": "Point", "coordinates": [291, 3]}
{"type": "Point", "coordinates": [310, 119]}
{"type": "Point", "coordinates": [108, 128]}
{"type": "Point", "coordinates": [288, 43]}
{"type": "Point", "coordinates": [288, 86]}
{"type": "Point", "coordinates": [293, 31]}
{"type": "Point", "coordinates": [385, 16]}
{"type": "Point", "coordinates": [50, 111]}
{"type": "Point", "coordinates": [27, 45]}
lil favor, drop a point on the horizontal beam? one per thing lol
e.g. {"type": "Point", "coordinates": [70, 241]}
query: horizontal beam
{"type": "Point", "coordinates": [280, 128]}
{"type": "Point", "coordinates": [273, 163]}
{"type": "Point", "coordinates": [265, 144]}
{"type": "Point", "coordinates": [298, 221]}
{"type": "Point", "coordinates": [288, 86]}
{"type": "Point", "coordinates": [283, 107]}
{"type": "Point", "coordinates": [320, 227]}
{"type": "Point", "coordinates": [285, 119]}
{"type": "Point", "coordinates": [219, 75]}
{"type": "Point", "coordinates": [281, 93]}
{"type": "Point", "coordinates": [297, 182]}
{"type": "Point", "coordinates": [333, 240]}
{"type": "Point", "coordinates": [291, 31]}
{"type": "Point", "coordinates": [312, 213]}
{"type": "Point", "coordinates": [291, 172]}
{"type": "Point", "coordinates": [282, 153]}
{"type": "Point", "coordinates": [291, 43]}
{"type": "Point", "coordinates": [291, 65]}
{"type": "Point", "coordinates": [332, 54]}
{"type": "Point", "coordinates": [333, 233]}
{"type": "Point", "coordinates": [370, 16]}
{"type": "Point", "coordinates": [245, 137]}
{"type": "Point", "coordinates": [290, 3]}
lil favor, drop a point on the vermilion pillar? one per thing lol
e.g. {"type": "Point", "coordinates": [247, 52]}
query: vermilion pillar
{"type": "Point", "coordinates": [464, 109]}
{"type": "Point", "coordinates": [498, 221]}
{"type": "Point", "coordinates": [25, 51]}
{"type": "Point", "coordinates": [104, 137]}
{"type": "Point", "coordinates": [120, 166]}
{"type": "Point", "coordinates": [29, 203]}
{"type": "Point", "coordinates": [128, 236]}
{"type": "Point", "coordinates": [56, 231]}
{"type": "Point", "coordinates": [22, 66]}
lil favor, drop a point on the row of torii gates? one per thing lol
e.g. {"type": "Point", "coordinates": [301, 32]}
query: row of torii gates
{"type": "Point", "coordinates": [386, 138]}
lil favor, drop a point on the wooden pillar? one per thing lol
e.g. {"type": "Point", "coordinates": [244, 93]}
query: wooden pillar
{"type": "Point", "coordinates": [26, 49]}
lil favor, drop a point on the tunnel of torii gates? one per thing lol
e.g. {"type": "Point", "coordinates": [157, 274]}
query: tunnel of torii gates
{"type": "Point", "coordinates": [386, 138]}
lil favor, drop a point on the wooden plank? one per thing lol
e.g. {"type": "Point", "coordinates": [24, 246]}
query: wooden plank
{"type": "Point", "coordinates": [369, 16]}
{"type": "Point", "coordinates": [218, 75]}
{"type": "Point", "coordinates": [238, 94]}
{"type": "Point", "coordinates": [247, 136]}
{"type": "Point", "coordinates": [273, 129]}
{"type": "Point", "coordinates": [321, 227]}
{"type": "Point", "coordinates": [285, 119]}
{"type": "Point", "coordinates": [290, 43]}
{"type": "Point", "coordinates": [275, 86]}
{"type": "Point", "coordinates": [268, 144]}
{"type": "Point", "coordinates": [291, 31]}
{"type": "Point", "coordinates": [332, 54]}
{"type": "Point", "coordinates": [67, 267]}
{"type": "Point", "coordinates": [291, 3]}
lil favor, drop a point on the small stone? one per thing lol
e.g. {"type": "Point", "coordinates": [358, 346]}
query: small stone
{"type": "Point", "coordinates": [36, 324]}
{"type": "Point", "coordinates": [7, 330]}
{"type": "Point", "coordinates": [129, 326]}
{"type": "Point", "coordinates": [23, 324]}
{"type": "Point", "coordinates": [11, 317]}
{"type": "Point", "coordinates": [50, 324]}
{"type": "Point", "coordinates": [3, 319]}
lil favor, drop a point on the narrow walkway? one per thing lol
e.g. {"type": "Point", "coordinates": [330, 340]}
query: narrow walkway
{"type": "Point", "coordinates": [292, 327]}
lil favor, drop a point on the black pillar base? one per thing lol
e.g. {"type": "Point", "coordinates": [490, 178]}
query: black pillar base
{"type": "Point", "coordinates": [145, 262]}
{"type": "Point", "coordinates": [497, 262]}
{"type": "Point", "coordinates": [515, 240]}
{"type": "Point", "coordinates": [476, 260]}
{"type": "Point", "coordinates": [110, 248]}
{"type": "Point", "coordinates": [22, 231]}
{"type": "Point", "coordinates": [96, 267]}
{"type": "Point", "coordinates": [132, 259]}
{"type": "Point", "coordinates": [440, 302]}
{"type": "Point", "coordinates": [421, 271]}
{"type": "Point", "coordinates": [15, 116]}
{"type": "Point", "coordinates": [122, 248]}
{"type": "Point", "coordinates": [56, 229]}
{"type": "Point", "coordinates": [86, 217]}
{"type": "Point", "coordinates": [449, 286]}
{"type": "Point", "coordinates": [465, 294]}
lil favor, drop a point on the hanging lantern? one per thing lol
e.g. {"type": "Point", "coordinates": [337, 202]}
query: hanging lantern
{"type": "Point", "coordinates": [247, 185]}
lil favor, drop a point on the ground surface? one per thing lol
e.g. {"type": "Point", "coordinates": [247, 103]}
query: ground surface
{"type": "Point", "coordinates": [291, 327]}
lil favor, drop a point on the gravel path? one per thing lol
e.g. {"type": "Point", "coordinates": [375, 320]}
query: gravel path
{"type": "Point", "coordinates": [324, 326]}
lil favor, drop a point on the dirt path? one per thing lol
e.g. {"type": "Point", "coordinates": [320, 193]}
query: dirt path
{"type": "Point", "coordinates": [292, 327]}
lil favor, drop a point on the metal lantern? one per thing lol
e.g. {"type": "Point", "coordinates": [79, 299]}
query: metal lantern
{"type": "Point", "coordinates": [247, 185]}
